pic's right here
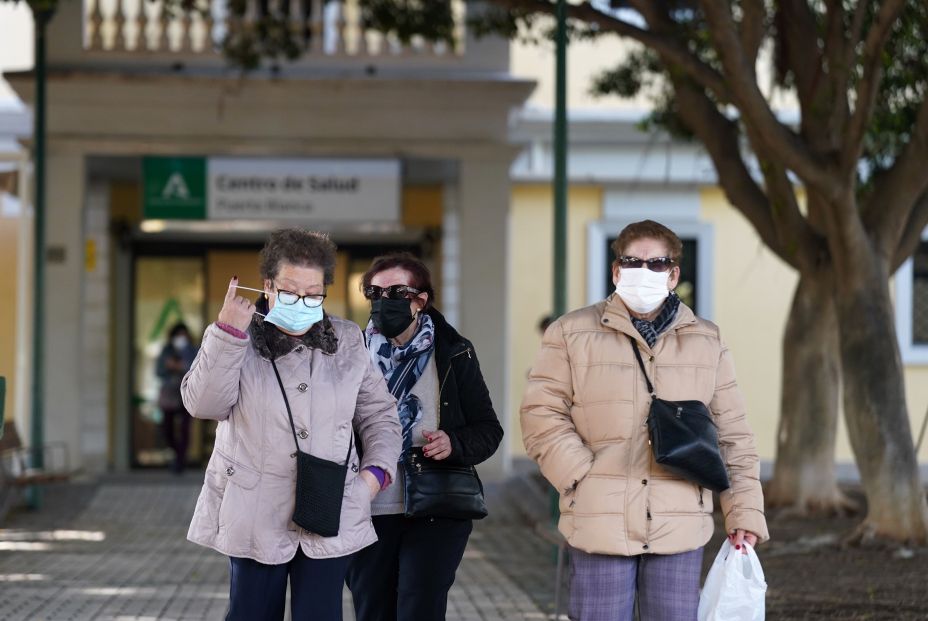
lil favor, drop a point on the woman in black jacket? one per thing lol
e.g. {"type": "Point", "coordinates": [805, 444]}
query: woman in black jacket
{"type": "Point", "coordinates": [444, 407]}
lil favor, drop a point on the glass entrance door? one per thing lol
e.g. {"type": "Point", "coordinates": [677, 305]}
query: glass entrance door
{"type": "Point", "coordinates": [167, 291]}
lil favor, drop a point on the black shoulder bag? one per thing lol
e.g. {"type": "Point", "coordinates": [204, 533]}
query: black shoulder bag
{"type": "Point", "coordinates": [437, 489]}
{"type": "Point", "coordinates": [684, 438]}
{"type": "Point", "coordinates": [320, 484]}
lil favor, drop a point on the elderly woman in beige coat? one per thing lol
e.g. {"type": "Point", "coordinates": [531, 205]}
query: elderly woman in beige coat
{"type": "Point", "coordinates": [255, 364]}
{"type": "Point", "coordinates": [634, 528]}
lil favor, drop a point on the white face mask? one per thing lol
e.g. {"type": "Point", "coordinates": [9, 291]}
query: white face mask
{"type": "Point", "coordinates": [642, 290]}
{"type": "Point", "coordinates": [179, 342]}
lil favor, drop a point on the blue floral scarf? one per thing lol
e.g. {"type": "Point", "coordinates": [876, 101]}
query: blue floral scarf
{"type": "Point", "coordinates": [402, 367]}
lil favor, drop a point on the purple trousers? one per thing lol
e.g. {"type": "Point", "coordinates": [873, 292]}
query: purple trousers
{"type": "Point", "coordinates": [603, 588]}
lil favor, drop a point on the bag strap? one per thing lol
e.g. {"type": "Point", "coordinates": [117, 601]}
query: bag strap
{"type": "Point", "coordinates": [641, 364]}
{"type": "Point", "coordinates": [283, 392]}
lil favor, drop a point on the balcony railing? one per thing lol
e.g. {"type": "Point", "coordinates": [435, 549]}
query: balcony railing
{"type": "Point", "coordinates": [331, 29]}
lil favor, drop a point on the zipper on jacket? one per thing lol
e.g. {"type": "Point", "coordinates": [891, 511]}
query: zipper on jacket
{"type": "Point", "coordinates": [441, 387]}
{"type": "Point", "coordinates": [701, 505]}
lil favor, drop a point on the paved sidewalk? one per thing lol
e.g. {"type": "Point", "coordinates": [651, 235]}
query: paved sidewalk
{"type": "Point", "coordinates": [123, 556]}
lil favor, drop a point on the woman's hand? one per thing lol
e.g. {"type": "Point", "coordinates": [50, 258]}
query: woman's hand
{"type": "Point", "coordinates": [439, 446]}
{"type": "Point", "coordinates": [373, 485]}
{"type": "Point", "coordinates": [739, 537]}
{"type": "Point", "coordinates": [236, 311]}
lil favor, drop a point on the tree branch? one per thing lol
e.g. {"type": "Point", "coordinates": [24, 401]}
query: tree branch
{"type": "Point", "coordinates": [834, 98]}
{"type": "Point", "coordinates": [721, 138]}
{"type": "Point", "coordinates": [803, 53]}
{"type": "Point", "coordinates": [912, 232]}
{"type": "Point", "coordinates": [857, 27]}
{"type": "Point", "coordinates": [665, 45]}
{"type": "Point", "coordinates": [782, 143]}
{"type": "Point", "coordinates": [895, 192]}
{"type": "Point", "coordinates": [869, 84]}
{"type": "Point", "coordinates": [752, 28]}
{"type": "Point", "coordinates": [794, 230]}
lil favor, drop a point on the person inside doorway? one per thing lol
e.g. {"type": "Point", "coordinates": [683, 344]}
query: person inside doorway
{"type": "Point", "coordinates": [173, 363]}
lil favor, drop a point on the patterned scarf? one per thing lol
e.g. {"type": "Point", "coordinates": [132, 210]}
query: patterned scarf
{"type": "Point", "coordinates": [402, 367]}
{"type": "Point", "coordinates": [650, 330]}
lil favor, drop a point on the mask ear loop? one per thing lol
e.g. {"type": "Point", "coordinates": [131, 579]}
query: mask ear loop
{"type": "Point", "coordinates": [261, 291]}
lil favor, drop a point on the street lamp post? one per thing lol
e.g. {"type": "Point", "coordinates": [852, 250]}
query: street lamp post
{"type": "Point", "coordinates": [560, 164]}
{"type": "Point", "coordinates": [42, 11]}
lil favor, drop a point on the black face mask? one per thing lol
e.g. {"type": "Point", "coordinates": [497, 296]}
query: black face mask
{"type": "Point", "coordinates": [391, 317]}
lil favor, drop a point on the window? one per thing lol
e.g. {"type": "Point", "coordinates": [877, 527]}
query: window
{"type": "Point", "coordinates": [912, 306]}
{"type": "Point", "coordinates": [695, 287]}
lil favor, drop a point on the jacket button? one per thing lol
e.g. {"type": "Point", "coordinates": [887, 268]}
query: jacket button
{"type": "Point", "coordinates": [230, 471]}
{"type": "Point", "coordinates": [354, 467]}
{"type": "Point", "coordinates": [445, 403]}
{"type": "Point", "coordinates": [605, 321]}
{"type": "Point", "coordinates": [644, 547]}
{"type": "Point", "coordinates": [302, 387]}
{"type": "Point", "coordinates": [292, 455]}
{"type": "Point", "coordinates": [644, 481]}
{"type": "Point", "coordinates": [651, 359]}
{"type": "Point", "coordinates": [303, 434]}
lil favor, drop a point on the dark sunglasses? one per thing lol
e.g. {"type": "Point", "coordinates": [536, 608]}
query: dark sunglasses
{"type": "Point", "coordinates": [657, 264]}
{"type": "Point", "coordinates": [393, 292]}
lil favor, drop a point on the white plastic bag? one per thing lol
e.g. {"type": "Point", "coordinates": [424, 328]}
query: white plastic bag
{"type": "Point", "coordinates": [735, 587]}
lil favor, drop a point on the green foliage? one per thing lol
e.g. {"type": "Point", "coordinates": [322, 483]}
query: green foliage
{"type": "Point", "coordinates": [431, 19]}
{"type": "Point", "coordinates": [905, 85]}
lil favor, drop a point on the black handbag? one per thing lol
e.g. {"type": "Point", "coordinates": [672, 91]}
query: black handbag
{"type": "Point", "coordinates": [684, 438]}
{"type": "Point", "coordinates": [320, 484]}
{"type": "Point", "coordinates": [436, 489]}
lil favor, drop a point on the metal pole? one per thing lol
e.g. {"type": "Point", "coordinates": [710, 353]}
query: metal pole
{"type": "Point", "coordinates": [559, 306]}
{"type": "Point", "coordinates": [41, 13]}
{"type": "Point", "coordinates": [560, 164]}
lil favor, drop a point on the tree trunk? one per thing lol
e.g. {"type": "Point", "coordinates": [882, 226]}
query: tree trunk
{"type": "Point", "coordinates": [874, 401]}
{"type": "Point", "coordinates": [804, 472]}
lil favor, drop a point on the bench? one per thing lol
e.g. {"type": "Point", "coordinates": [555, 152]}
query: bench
{"type": "Point", "coordinates": [16, 465]}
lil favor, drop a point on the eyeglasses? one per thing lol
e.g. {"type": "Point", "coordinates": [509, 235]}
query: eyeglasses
{"type": "Point", "coordinates": [289, 298]}
{"type": "Point", "coordinates": [393, 292]}
{"type": "Point", "coordinates": [657, 264]}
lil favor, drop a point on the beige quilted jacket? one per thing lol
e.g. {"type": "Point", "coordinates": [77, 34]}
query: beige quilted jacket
{"type": "Point", "coordinates": [584, 421]}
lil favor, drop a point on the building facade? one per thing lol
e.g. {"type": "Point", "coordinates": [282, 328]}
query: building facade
{"type": "Point", "coordinates": [166, 171]}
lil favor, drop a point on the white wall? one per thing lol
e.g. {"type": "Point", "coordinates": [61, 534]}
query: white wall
{"type": "Point", "coordinates": [15, 45]}
{"type": "Point", "coordinates": [585, 60]}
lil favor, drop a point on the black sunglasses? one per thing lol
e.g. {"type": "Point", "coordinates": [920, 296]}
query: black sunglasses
{"type": "Point", "coordinates": [393, 292]}
{"type": "Point", "coordinates": [657, 264]}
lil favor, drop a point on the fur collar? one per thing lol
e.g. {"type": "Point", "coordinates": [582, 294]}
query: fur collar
{"type": "Point", "coordinates": [271, 343]}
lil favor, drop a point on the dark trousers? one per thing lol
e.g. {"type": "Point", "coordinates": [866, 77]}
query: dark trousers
{"type": "Point", "coordinates": [406, 575]}
{"type": "Point", "coordinates": [258, 592]}
{"type": "Point", "coordinates": [176, 426]}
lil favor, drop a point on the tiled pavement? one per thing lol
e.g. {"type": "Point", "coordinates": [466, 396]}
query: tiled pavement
{"type": "Point", "coordinates": [116, 551]}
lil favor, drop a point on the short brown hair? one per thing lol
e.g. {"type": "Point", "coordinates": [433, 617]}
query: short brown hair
{"type": "Point", "coordinates": [298, 247]}
{"type": "Point", "coordinates": [421, 276]}
{"type": "Point", "coordinates": [648, 229]}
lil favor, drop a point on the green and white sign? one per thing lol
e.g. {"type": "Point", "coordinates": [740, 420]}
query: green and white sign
{"type": "Point", "coordinates": [174, 188]}
{"type": "Point", "coordinates": [317, 191]}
